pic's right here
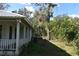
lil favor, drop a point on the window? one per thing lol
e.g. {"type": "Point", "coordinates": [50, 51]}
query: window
{"type": "Point", "coordinates": [0, 31]}
{"type": "Point", "coordinates": [10, 33]}
{"type": "Point", "coordinates": [15, 32]}
{"type": "Point", "coordinates": [21, 31]}
{"type": "Point", "coordinates": [26, 33]}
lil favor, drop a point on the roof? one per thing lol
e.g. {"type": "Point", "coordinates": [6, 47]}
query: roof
{"type": "Point", "coordinates": [9, 14]}
{"type": "Point", "coordinates": [13, 15]}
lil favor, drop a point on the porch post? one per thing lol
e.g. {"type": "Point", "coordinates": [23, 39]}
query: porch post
{"type": "Point", "coordinates": [17, 36]}
{"type": "Point", "coordinates": [24, 31]}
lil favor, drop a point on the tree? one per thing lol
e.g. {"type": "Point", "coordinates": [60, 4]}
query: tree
{"type": "Point", "coordinates": [23, 11]}
{"type": "Point", "coordinates": [46, 8]}
{"type": "Point", "coordinates": [4, 6]}
{"type": "Point", "coordinates": [64, 27]}
{"type": "Point", "coordinates": [15, 11]}
{"type": "Point", "coordinates": [44, 13]}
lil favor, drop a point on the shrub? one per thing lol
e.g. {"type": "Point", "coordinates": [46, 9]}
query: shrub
{"type": "Point", "coordinates": [71, 35]}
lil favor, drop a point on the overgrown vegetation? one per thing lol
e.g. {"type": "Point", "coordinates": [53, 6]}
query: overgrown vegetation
{"type": "Point", "coordinates": [62, 28]}
{"type": "Point", "coordinates": [65, 28]}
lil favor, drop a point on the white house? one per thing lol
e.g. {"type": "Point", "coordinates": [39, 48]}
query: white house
{"type": "Point", "coordinates": [15, 30]}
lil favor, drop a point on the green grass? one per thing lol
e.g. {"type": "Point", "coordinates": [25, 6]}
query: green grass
{"type": "Point", "coordinates": [42, 48]}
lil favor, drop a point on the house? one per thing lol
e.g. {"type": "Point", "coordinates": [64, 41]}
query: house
{"type": "Point", "coordinates": [15, 30]}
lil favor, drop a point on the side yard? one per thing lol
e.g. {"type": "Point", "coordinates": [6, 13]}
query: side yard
{"type": "Point", "coordinates": [42, 47]}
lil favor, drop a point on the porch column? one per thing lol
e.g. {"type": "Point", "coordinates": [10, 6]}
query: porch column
{"type": "Point", "coordinates": [30, 34]}
{"type": "Point", "coordinates": [28, 31]}
{"type": "Point", "coordinates": [24, 31]}
{"type": "Point", "coordinates": [17, 36]}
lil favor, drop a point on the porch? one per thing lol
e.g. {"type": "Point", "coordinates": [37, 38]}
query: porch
{"type": "Point", "coordinates": [7, 45]}
{"type": "Point", "coordinates": [13, 34]}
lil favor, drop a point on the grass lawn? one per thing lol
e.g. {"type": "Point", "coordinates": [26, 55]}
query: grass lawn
{"type": "Point", "coordinates": [42, 48]}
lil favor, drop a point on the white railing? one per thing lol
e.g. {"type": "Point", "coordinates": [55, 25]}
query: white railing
{"type": "Point", "coordinates": [7, 44]}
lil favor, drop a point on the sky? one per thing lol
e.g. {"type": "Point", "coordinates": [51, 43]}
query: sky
{"type": "Point", "coordinates": [67, 8]}
{"type": "Point", "coordinates": [62, 8]}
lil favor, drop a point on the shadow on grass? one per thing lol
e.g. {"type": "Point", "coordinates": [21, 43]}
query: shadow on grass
{"type": "Point", "coordinates": [42, 48]}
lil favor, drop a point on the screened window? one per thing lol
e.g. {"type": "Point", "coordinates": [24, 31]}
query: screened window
{"type": "Point", "coordinates": [0, 31]}
{"type": "Point", "coordinates": [15, 32]}
{"type": "Point", "coordinates": [21, 31]}
{"type": "Point", "coordinates": [26, 33]}
{"type": "Point", "coordinates": [10, 32]}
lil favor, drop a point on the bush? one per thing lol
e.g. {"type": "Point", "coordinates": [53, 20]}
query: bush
{"type": "Point", "coordinates": [23, 50]}
{"type": "Point", "coordinates": [71, 35]}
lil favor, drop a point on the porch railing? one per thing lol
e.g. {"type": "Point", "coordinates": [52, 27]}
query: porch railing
{"type": "Point", "coordinates": [7, 44]}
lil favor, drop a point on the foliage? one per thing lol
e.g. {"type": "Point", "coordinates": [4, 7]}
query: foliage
{"type": "Point", "coordinates": [24, 11]}
{"type": "Point", "coordinates": [64, 27]}
{"type": "Point", "coordinates": [46, 9]}
{"type": "Point", "coordinates": [39, 30]}
{"type": "Point", "coordinates": [42, 15]}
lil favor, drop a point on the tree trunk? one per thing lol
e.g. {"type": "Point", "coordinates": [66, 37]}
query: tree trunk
{"type": "Point", "coordinates": [47, 29]}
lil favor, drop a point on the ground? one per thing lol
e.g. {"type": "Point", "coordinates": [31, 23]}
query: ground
{"type": "Point", "coordinates": [68, 48]}
{"type": "Point", "coordinates": [43, 47]}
